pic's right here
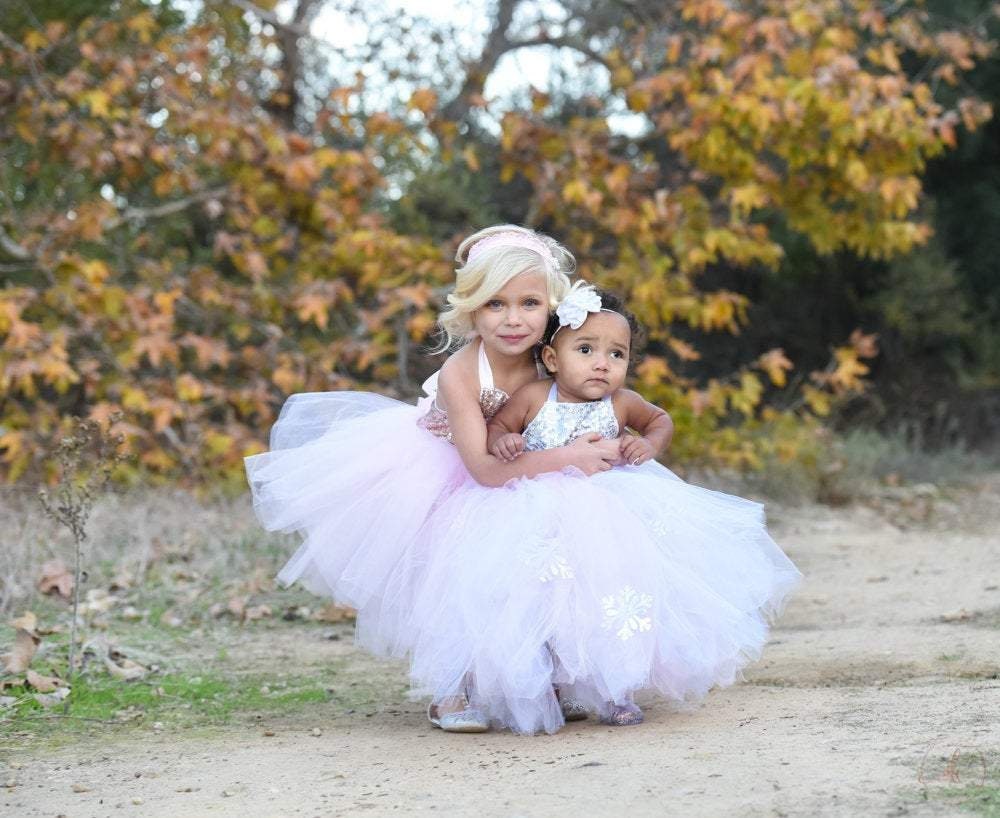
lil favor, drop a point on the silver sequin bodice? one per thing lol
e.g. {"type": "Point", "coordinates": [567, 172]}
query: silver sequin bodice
{"type": "Point", "coordinates": [557, 424]}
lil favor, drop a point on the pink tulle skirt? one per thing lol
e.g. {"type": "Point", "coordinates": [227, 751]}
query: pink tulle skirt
{"type": "Point", "coordinates": [628, 580]}
{"type": "Point", "coordinates": [631, 579]}
{"type": "Point", "coordinates": [355, 476]}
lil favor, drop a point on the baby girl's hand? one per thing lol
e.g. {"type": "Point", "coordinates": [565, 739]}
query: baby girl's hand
{"type": "Point", "coordinates": [636, 450]}
{"type": "Point", "coordinates": [508, 446]}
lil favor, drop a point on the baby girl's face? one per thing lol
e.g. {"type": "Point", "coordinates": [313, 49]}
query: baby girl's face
{"type": "Point", "coordinates": [591, 362]}
{"type": "Point", "coordinates": [513, 320]}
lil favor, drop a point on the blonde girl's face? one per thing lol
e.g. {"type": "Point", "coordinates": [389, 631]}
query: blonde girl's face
{"type": "Point", "coordinates": [512, 320]}
{"type": "Point", "coordinates": [591, 362]}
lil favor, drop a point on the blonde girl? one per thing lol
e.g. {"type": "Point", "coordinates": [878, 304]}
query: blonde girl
{"type": "Point", "coordinates": [358, 475]}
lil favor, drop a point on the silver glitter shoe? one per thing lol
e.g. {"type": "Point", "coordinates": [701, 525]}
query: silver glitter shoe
{"type": "Point", "coordinates": [468, 720]}
{"type": "Point", "coordinates": [623, 715]}
{"type": "Point", "coordinates": [572, 710]}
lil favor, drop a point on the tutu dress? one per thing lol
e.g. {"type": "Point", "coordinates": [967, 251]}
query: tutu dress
{"type": "Point", "coordinates": [603, 585]}
{"type": "Point", "coordinates": [357, 475]}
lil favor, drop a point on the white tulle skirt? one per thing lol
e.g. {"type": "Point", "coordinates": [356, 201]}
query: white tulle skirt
{"type": "Point", "coordinates": [627, 580]}
{"type": "Point", "coordinates": [356, 478]}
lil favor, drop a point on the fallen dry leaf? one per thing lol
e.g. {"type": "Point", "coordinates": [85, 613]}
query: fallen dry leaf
{"type": "Point", "coordinates": [44, 684]}
{"type": "Point", "coordinates": [121, 667]}
{"type": "Point", "coordinates": [294, 612]}
{"type": "Point", "coordinates": [237, 606]}
{"type": "Point", "coordinates": [98, 601]}
{"type": "Point", "coordinates": [334, 613]}
{"type": "Point", "coordinates": [125, 669]}
{"type": "Point", "coordinates": [27, 620]}
{"type": "Point", "coordinates": [56, 577]}
{"type": "Point", "coordinates": [20, 656]}
{"type": "Point", "coordinates": [171, 618]}
{"type": "Point", "coordinates": [52, 699]}
{"type": "Point", "coordinates": [122, 580]}
{"type": "Point", "coordinates": [257, 612]}
{"type": "Point", "coordinates": [961, 615]}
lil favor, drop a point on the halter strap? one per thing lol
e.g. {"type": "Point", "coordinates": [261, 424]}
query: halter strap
{"type": "Point", "coordinates": [485, 373]}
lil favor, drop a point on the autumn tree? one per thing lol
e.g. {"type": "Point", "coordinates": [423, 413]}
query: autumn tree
{"type": "Point", "coordinates": [175, 251]}
{"type": "Point", "coordinates": [193, 226]}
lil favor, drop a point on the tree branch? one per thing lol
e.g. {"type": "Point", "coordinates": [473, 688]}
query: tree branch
{"type": "Point", "coordinates": [13, 249]}
{"type": "Point", "coordinates": [574, 43]}
{"type": "Point", "coordinates": [294, 27]}
{"type": "Point", "coordinates": [165, 209]}
{"type": "Point", "coordinates": [476, 74]}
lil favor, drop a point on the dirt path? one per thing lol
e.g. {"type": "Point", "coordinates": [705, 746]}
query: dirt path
{"type": "Point", "coordinates": [885, 666]}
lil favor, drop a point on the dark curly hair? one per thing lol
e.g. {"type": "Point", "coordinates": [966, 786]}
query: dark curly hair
{"type": "Point", "coordinates": [615, 303]}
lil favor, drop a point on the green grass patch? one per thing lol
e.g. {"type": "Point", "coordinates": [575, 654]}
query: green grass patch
{"type": "Point", "coordinates": [975, 799]}
{"type": "Point", "coordinates": [180, 700]}
{"type": "Point", "coordinates": [969, 782]}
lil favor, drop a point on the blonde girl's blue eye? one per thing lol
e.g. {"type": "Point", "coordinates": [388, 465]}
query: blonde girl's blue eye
{"type": "Point", "coordinates": [494, 304]}
{"type": "Point", "coordinates": [532, 302]}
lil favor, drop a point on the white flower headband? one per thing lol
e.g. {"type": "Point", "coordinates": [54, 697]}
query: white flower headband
{"type": "Point", "coordinates": [580, 301]}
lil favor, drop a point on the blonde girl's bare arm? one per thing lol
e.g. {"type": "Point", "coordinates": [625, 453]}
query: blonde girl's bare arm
{"type": "Point", "coordinates": [459, 392]}
{"type": "Point", "coordinates": [516, 413]}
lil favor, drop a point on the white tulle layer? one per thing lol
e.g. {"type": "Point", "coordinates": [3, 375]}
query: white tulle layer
{"type": "Point", "coordinates": [354, 475]}
{"type": "Point", "coordinates": [627, 580]}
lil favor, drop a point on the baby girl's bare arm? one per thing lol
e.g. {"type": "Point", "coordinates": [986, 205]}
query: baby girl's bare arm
{"type": "Point", "coordinates": [652, 423]}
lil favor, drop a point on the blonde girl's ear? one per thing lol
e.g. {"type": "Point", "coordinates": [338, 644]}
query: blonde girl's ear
{"type": "Point", "coordinates": [549, 358]}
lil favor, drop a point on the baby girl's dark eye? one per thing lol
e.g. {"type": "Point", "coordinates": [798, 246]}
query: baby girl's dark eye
{"type": "Point", "coordinates": [584, 348]}
{"type": "Point", "coordinates": [617, 354]}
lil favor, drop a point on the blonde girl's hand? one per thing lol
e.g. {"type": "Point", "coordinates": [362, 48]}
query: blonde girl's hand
{"type": "Point", "coordinates": [591, 453]}
{"type": "Point", "coordinates": [508, 446]}
{"type": "Point", "coordinates": [636, 450]}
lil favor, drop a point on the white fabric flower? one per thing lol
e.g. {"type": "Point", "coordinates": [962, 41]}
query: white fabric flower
{"type": "Point", "coordinates": [577, 305]}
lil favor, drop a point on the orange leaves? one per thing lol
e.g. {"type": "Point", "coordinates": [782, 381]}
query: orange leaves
{"type": "Point", "coordinates": [844, 374]}
{"type": "Point", "coordinates": [576, 191]}
{"type": "Point", "coordinates": [722, 310]}
{"type": "Point", "coordinates": [312, 307]}
{"type": "Point", "coordinates": [189, 388]}
{"type": "Point", "coordinates": [775, 363]}
{"type": "Point", "coordinates": [144, 25]}
{"type": "Point", "coordinates": [302, 172]}
{"type": "Point", "coordinates": [423, 100]}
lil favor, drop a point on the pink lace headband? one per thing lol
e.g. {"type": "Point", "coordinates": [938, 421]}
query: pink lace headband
{"type": "Point", "coordinates": [512, 239]}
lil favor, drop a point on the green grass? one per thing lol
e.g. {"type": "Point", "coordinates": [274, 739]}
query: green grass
{"type": "Point", "coordinates": [975, 799]}
{"type": "Point", "coordinates": [175, 699]}
{"type": "Point", "coordinates": [977, 790]}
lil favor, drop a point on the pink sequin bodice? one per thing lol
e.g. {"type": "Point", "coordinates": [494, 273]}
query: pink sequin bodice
{"type": "Point", "coordinates": [491, 399]}
{"type": "Point", "coordinates": [436, 420]}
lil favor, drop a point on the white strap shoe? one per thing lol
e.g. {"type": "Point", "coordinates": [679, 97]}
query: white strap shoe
{"type": "Point", "coordinates": [467, 720]}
